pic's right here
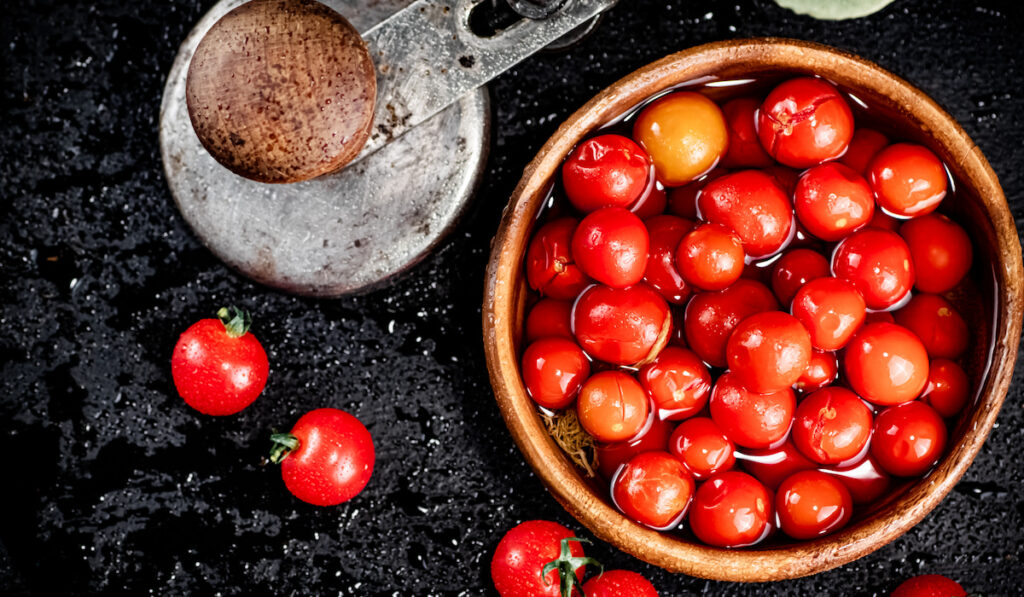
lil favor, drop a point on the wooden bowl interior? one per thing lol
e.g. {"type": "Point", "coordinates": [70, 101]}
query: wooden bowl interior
{"type": "Point", "coordinates": [990, 300]}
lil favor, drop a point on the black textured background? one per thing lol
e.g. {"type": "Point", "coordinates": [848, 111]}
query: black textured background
{"type": "Point", "coordinates": [112, 485]}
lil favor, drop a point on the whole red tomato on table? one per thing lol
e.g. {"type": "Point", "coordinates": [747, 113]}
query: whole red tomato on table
{"type": "Point", "coordinates": [539, 558]}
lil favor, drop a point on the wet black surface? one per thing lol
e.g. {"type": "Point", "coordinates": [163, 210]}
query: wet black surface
{"type": "Point", "coordinates": [112, 485]}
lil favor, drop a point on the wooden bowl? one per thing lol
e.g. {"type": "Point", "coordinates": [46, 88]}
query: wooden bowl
{"type": "Point", "coordinates": [980, 207]}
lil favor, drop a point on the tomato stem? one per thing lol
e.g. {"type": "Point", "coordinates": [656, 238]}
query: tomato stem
{"type": "Point", "coordinates": [283, 444]}
{"type": "Point", "coordinates": [236, 321]}
{"type": "Point", "coordinates": [566, 565]}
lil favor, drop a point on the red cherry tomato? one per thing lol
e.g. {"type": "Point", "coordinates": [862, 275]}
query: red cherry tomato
{"type": "Point", "coordinates": [549, 318]}
{"type": "Point", "coordinates": [619, 583]}
{"type": "Point", "coordinates": [866, 481]}
{"type": "Point", "coordinates": [710, 257]}
{"type": "Point", "coordinates": [682, 201]}
{"type": "Point", "coordinates": [820, 372]}
{"type": "Point", "coordinates": [327, 458]}
{"type": "Point", "coordinates": [886, 364]}
{"type": "Point", "coordinates": [678, 383]}
{"type": "Point", "coordinates": [832, 426]}
{"type": "Point", "coordinates": [550, 269]}
{"type": "Point", "coordinates": [772, 466]}
{"type": "Point", "coordinates": [654, 489]}
{"type": "Point", "coordinates": [937, 323]}
{"type": "Point", "coordinates": [654, 438]}
{"type": "Point", "coordinates": [685, 135]}
{"type": "Point", "coordinates": [661, 273]}
{"type": "Point", "coordinates": [908, 180]}
{"type": "Point", "coordinates": [622, 326]}
{"type": "Point", "coordinates": [652, 202]}
{"type": "Point", "coordinates": [605, 171]}
{"type": "Point", "coordinates": [794, 269]}
{"type": "Point", "coordinates": [711, 317]}
{"type": "Point", "coordinates": [832, 200]}
{"type": "Point", "coordinates": [752, 205]}
{"type": "Point", "coordinates": [610, 245]}
{"type": "Point", "coordinates": [811, 504]}
{"type": "Point", "coordinates": [948, 388]}
{"type": "Point", "coordinates": [804, 122]}
{"type": "Point", "coordinates": [745, 149]}
{"type": "Point", "coordinates": [831, 309]}
{"type": "Point", "coordinates": [522, 554]}
{"type": "Point", "coordinates": [750, 419]}
{"type": "Point", "coordinates": [877, 262]}
{"type": "Point", "coordinates": [908, 439]}
{"type": "Point", "coordinates": [553, 371]}
{"type": "Point", "coordinates": [612, 406]}
{"type": "Point", "coordinates": [731, 509]}
{"type": "Point", "coordinates": [941, 251]}
{"type": "Point", "coordinates": [769, 351]}
{"type": "Point", "coordinates": [702, 447]}
{"type": "Point", "coordinates": [864, 146]}
{"type": "Point", "coordinates": [929, 585]}
{"type": "Point", "coordinates": [885, 221]}
{"type": "Point", "coordinates": [218, 366]}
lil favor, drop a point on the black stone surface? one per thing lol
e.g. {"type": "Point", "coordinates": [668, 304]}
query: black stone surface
{"type": "Point", "coordinates": [111, 485]}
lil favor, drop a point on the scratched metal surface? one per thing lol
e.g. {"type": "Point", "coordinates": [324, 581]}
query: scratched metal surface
{"type": "Point", "coordinates": [113, 486]}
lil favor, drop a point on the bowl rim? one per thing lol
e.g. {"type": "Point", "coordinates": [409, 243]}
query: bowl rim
{"type": "Point", "coordinates": [561, 477]}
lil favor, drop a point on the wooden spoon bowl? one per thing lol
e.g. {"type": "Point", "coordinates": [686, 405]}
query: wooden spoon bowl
{"type": "Point", "coordinates": [992, 302]}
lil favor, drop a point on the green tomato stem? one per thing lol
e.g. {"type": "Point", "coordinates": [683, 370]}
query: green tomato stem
{"type": "Point", "coordinates": [566, 565]}
{"type": "Point", "coordinates": [284, 443]}
{"type": "Point", "coordinates": [236, 321]}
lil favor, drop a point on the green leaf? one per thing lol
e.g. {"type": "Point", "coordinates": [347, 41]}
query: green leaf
{"type": "Point", "coordinates": [834, 10]}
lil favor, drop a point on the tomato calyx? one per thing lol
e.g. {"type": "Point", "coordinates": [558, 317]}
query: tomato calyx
{"type": "Point", "coordinates": [284, 444]}
{"type": "Point", "coordinates": [236, 321]}
{"type": "Point", "coordinates": [566, 565]}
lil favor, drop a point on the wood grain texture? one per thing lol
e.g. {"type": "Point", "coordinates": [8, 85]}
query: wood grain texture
{"type": "Point", "coordinates": [988, 218]}
{"type": "Point", "coordinates": [282, 90]}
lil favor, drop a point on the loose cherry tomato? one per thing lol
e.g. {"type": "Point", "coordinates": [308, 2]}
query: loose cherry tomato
{"type": "Point", "coordinates": [908, 439]}
{"type": "Point", "coordinates": [622, 326]}
{"type": "Point", "coordinates": [326, 459]}
{"type": "Point", "coordinates": [937, 323]}
{"type": "Point", "coordinates": [832, 200]}
{"type": "Point", "coordinates": [864, 146]}
{"type": "Point", "coordinates": [795, 268]}
{"type": "Point", "coordinates": [549, 318]}
{"type": "Point", "coordinates": [653, 438]}
{"type": "Point", "coordinates": [619, 583]}
{"type": "Point", "coordinates": [550, 269]}
{"type": "Point", "coordinates": [678, 383]}
{"type": "Point", "coordinates": [832, 426]}
{"type": "Point", "coordinates": [553, 371]}
{"type": "Point", "coordinates": [710, 257]}
{"type": "Point", "coordinates": [811, 504]}
{"type": "Point", "coordinates": [820, 372]}
{"type": "Point", "coordinates": [666, 232]}
{"type": "Point", "coordinates": [831, 309]}
{"type": "Point", "coordinates": [877, 262]}
{"type": "Point", "coordinates": [941, 251]}
{"type": "Point", "coordinates": [948, 388]}
{"type": "Point", "coordinates": [750, 419]}
{"type": "Point", "coordinates": [886, 364]}
{"type": "Point", "coordinates": [769, 351]}
{"type": "Point", "coordinates": [518, 563]}
{"type": "Point", "coordinates": [605, 171]}
{"type": "Point", "coordinates": [731, 509]}
{"type": "Point", "coordinates": [685, 135]}
{"type": "Point", "coordinates": [612, 406]}
{"type": "Point", "coordinates": [654, 489]}
{"type": "Point", "coordinates": [772, 466]}
{"type": "Point", "coordinates": [711, 317]}
{"type": "Point", "coordinates": [702, 447]}
{"type": "Point", "coordinates": [804, 122]}
{"type": "Point", "coordinates": [218, 366]}
{"type": "Point", "coordinates": [908, 180]}
{"type": "Point", "coordinates": [682, 201]}
{"type": "Point", "coordinates": [866, 481]}
{"type": "Point", "coordinates": [652, 202]}
{"type": "Point", "coordinates": [929, 585]}
{"type": "Point", "coordinates": [745, 149]}
{"type": "Point", "coordinates": [750, 204]}
{"type": "Point", "coordinates": [611, 245]}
